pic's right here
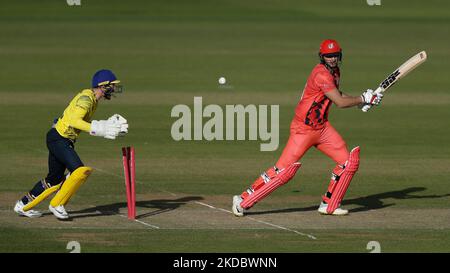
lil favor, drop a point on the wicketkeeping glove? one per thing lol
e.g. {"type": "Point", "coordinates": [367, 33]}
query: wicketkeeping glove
{"type": "Point", "coordinates": [120, 121]}
{"type": "Point", "coordinates": [104, 128]}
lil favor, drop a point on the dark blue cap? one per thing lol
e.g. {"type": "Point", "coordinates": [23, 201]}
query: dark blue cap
{"type": "Point", "coordinates": [104, 77]}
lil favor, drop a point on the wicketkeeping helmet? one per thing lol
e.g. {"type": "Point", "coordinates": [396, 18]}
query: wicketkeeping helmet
{"type": "Point", "coordinates": [105, 78]}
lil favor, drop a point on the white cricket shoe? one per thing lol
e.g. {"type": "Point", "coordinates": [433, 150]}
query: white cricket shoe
{"type": "Point", "coordinates": [18, 208]}
{"type": "Point", "coordinates": [338, 211]}
{"type": "Point", "coordinates": [59, 211]}
{"type": "Point", "coordinates": [236, 208]}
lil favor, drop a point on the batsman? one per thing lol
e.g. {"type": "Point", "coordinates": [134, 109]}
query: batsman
{"type": "Point", "coordinates": [61, 140]}
{"type": "Point", "coordinates": [310, 128]}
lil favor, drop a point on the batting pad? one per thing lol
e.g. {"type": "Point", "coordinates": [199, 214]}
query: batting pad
{"type": "Point", "coordinates": [351, 166]}
{"type": "Point", "coordinates": [70, 186]}
{"type": "Point", "coordinates": [282, 178]}
{"type": "Point", "coordinates": [41, 197]}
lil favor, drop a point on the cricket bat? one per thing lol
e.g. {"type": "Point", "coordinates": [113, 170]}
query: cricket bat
{"type": "Point", "coordinates": [399, 73]}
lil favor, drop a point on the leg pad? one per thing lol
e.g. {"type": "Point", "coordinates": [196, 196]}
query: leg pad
{"type": "Point", "coordinates": [341, 181]}
{"type": "Point", "coordinates": [280, 179]}
{"type": "Point", "coordinates": [70, 186]}
{"type": "Point", "coordinates": [34, 201]}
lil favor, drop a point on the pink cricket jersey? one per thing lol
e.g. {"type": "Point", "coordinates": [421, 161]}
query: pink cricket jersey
{"type": "Point", "coordinates": [313, 107]}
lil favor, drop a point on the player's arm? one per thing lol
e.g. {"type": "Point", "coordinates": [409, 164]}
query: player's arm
{"type": "Point", "coordinates": [343, 100]}
{"type": "Point", "coordinates": [75, 117]}
{"type": "Point", "coordinates": [111, 128]}
{"type": "Point", "coordinates": [326, 83]}
{"type": "Point", "coordinates": [76, 120]}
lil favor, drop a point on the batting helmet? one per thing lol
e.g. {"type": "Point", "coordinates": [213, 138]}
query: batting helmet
{"type": "Point", "coordinates": [330, 48]}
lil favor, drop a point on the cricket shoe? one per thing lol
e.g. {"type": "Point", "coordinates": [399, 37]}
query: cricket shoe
{"type": "Point", "coordinates": [236, 208]}
{"type": "Point", "coordinates": [338, 212]}
{"type": "Point", "coordinates": [18, 208]}
{"type": "Point", "coordinates": [59, 211]}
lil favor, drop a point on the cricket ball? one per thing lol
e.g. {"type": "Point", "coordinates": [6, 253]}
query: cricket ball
{"type": "Point", "coordinates": [222, 80]}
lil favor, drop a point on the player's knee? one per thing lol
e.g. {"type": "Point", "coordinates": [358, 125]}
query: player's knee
{"type": "Point", "coordinates": [343, 156]}
{"type": "Point", "coordinates": [349, 159]}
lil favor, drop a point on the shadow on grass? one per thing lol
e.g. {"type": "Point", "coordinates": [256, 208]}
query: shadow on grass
{"type": "Point", "coordinates": [370, 202]}
{"type": "Point", "coordinates": [374, 201]}
{"type": "Point", "coordinates": [159, 206]}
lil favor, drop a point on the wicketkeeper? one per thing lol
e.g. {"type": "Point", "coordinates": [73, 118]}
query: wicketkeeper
{"type": "Point", "coordinates": [60, 143]}
{"type": "Point", "coordinates": [310, 128]}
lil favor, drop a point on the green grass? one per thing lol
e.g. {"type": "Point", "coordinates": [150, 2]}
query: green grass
{"type": "Point", "coordinates": [168, 241]}
{"type": "Point", "coordinates": [167, 52]}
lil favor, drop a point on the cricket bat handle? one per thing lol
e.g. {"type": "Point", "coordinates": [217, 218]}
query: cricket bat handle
{"type": "Point", "coordinates": [366, 107]}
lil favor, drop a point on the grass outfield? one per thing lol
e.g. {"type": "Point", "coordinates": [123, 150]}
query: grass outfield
{"type": "Point", "coordinates": [166, 54]}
